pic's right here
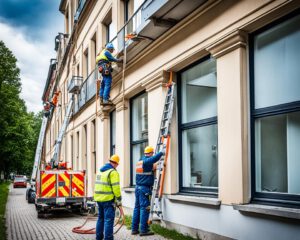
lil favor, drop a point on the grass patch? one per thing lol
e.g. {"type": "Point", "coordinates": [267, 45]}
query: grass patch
{"type": "Point", "coordinates": [3, 199]}
{"type": "Point", "coordinates": [128, 220]}
{"type": "Point", "coordinates": [170, 234]}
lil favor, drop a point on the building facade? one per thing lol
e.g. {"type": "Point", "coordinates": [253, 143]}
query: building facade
{"type": "Point", "coordinates": [233, 166]}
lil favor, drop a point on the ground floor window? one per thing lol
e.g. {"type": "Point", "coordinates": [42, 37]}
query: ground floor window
{"type": "Point", "coordinates": [275, 112]}
{"type": "Point", "coordinates": [138, 130]}
{"type": "Point", "coordinates": [277, 141]}
{"type": "Point", "coordinates": [198, 130]}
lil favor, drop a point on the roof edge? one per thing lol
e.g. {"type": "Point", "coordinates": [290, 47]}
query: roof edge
{"type": "Point", "coordinates": [62, 6]}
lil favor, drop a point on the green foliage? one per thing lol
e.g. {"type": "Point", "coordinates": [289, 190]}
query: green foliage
{"type": "Point", "coordinates": [167, 233]}
{"type": "Point", "coordinates": [19, 129]}
{"type": "Point", "coordinates": [170, 234]}
{"type": "Point", "coordinates": [128, 220]}
{"type": "Point", "coordinates": [3, 199]}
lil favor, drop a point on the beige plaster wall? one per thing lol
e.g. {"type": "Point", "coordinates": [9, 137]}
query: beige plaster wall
{"type": "Point", "coordinates": [198, 35]}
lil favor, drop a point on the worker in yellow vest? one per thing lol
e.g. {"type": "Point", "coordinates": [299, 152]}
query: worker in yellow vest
{"type": "Point", "coordinates": [107, 193]}
{"type": "Point", "coordinates": [104, 60]}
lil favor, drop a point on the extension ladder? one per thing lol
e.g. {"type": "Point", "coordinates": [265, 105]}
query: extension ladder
{"type": "Point", "coordinates": [163, 143]}
{"type": "Point", "coordinates": [39, 148]}
{"type": "Point", "coordinates": [68, 115]}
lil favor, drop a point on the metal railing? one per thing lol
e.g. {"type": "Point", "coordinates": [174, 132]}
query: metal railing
{"type": "Point", "coordinates": [75, 84]}
{"type": "Point", "coordinates": [133, 25]}
{"type": "Point", "coordinates": [87, 91]}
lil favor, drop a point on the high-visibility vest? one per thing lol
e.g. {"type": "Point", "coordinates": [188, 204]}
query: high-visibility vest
{"type": "Point", "coordinates": [102, 56]}
{"type": "Point", "coordinates": [140, 170]}
{"type": "Point", "coordinates": [107, 186]}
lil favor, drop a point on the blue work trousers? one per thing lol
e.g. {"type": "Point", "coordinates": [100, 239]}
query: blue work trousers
{"type": "Point", "coordinates": [105, 86]}
{"type": "Point", "coordinates": [141, 209]}
{"type": "Point", "coordinates": [105, 223]}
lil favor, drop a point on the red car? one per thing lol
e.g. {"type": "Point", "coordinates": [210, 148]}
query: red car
{"type": "Point", "coordinates": [20, 181]}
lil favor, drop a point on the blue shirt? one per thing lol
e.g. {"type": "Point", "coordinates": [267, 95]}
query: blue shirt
{"type": "Point", "coordinates": [147, 180]}
{"type": "Point", "coordinates": [110, 57]}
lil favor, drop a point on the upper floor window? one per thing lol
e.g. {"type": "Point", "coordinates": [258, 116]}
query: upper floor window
{"type": "Point", "coordinates": [67, 21]}
{"type": "Point", "coordinates": [139, 130]}
{"type": "Point", "coordinates": [126, 10]}
{"type": "Point", "coordinates": [198, 129]}
{"type": "Point", "coordinates": [275, 111]}
{"type": "Point", "coordinates": [85, 63]}
{"type": "Point", "coordinates": [109, 31]}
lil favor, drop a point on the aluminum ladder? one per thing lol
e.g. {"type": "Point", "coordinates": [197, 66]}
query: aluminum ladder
{"type": "Point", "coordinates": [163, 143]}
{"type": "Point", "coordinates": [57, 147]}
{"type": "Point", "coordinates": [39, 148]}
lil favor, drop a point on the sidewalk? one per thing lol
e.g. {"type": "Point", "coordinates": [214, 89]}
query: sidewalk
{"type": "Point", "coordinates": [22, 223]}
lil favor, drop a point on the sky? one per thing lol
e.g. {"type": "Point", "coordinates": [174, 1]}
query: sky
{"type": "Point", "coordinates": [28, 29]}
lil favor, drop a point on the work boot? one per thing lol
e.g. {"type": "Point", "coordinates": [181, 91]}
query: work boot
{"type": "Point", "coordinates": [101, 100]}
{"type": "Point", "coordinates": [149, 233]}
{"type": "Point", "coordinates": [135, 232]}
{"type": "Point", "coordinates": [108, 102]}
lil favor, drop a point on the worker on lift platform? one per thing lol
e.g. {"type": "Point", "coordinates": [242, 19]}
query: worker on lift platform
{"type": "Point", "coordinates": [47, 108]}
{"type": "Point", "coordinates": [55, 99]}
{"type": "Point", "coordinates": [104, 60]}
{"type": "Point", "coordinates": [143, 191]}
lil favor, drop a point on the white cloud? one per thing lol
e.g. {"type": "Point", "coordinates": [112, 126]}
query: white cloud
{"type": "Point", "coordinates": [33, 60]}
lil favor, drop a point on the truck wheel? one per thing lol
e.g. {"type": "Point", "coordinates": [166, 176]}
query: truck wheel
{"type": "Point", "coordinates": [30, 200]}
{"type": "Point", "coordinates": [40, 214]}
{"type": "Point", "coordinates": [31, 197]}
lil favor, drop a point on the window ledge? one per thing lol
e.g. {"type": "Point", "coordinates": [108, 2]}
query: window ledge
{"type": "Point", "coordinates": [194, 200]}
{"type": "Point", "coordinates": [269, 210]}
{"type": "Point", "coordinates": [128, 189]}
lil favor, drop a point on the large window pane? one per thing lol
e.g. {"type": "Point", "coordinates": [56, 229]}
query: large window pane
{"type": "Point", "coordinates": [277, 140]}
{"type": "Point", "coordinates": [137, 153]}
{"type": "Point", "coordinates": [276, 64]}
{"type": "Point", "coordinates": [111, 31]}
{"type": "Point", "coordinates": [199, 92]}
{"type": "Point", "coordinates": [139, 130]}
{"type": "Point", "coordinates": [140, 118]}
{"type": "Point", "coordinates": [199, 157]}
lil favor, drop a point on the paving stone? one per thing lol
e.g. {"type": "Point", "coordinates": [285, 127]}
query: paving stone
{"type": "Point", "coordinates": [22, 223]}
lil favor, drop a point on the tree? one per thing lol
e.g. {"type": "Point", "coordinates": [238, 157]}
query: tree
{"type": "Point", "coordinates": [18, 128]}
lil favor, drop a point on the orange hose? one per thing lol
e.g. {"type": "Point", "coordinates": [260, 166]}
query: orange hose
{"type": "Point", "coordinates": [120, 221]}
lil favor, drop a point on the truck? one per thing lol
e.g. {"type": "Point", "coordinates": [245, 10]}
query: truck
{"type": "Point", "coordinates": [60, 189]}
{"type": "Point", "coordinates": [54, 186]}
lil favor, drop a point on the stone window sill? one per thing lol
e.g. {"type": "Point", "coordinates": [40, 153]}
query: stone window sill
{"type": "Point", "coordinates": [269, 210]}
{"type": "Point", "coordinates": [194, 200]}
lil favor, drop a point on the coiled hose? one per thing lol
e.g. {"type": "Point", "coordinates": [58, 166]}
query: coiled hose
{"type": "Point", "coordinates": [120, 220]}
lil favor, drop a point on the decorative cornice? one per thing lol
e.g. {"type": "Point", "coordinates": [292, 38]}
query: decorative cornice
{"type": "Point", "coordinates": [120, 104]}
{"type": "Point", "coordinates": [104, 113]}
{"type": "Point", "coordinates": [234, 40]}
{"type": "Point", "coordinates": [155, 81]}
